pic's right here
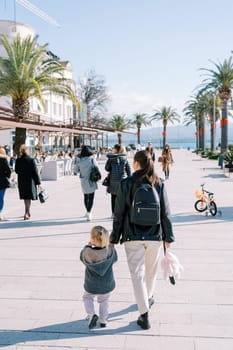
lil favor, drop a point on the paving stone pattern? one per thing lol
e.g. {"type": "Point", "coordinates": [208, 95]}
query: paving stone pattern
{"type": "Point", "coordinates": [41, 277]}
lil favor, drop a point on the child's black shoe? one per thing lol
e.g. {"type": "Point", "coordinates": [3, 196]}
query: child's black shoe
{"type": "Point", "coordinates": [93, 321]}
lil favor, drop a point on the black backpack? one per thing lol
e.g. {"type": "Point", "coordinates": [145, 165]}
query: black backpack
{"type": "Point", "coordinates": [145, 208]}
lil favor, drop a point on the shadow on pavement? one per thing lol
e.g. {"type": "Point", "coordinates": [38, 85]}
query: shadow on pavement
{"type": "Point", "coordinates": [68, 330]}
{"type": "Point", "coordinates": [8, 224]}
{"type": "Point", "coordinates": [223, 214]}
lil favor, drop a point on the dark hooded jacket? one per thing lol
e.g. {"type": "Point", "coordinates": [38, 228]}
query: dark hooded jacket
{"type": "Point", "coordinates": [118, 167]}
{"type": "Point", "coordinates": [124, 230]}
{"type": "Point", "coordinates": [99, 278]}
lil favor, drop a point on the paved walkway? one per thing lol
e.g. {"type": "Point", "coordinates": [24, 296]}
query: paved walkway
{"type": "Point", "coordinates": [41, 277]}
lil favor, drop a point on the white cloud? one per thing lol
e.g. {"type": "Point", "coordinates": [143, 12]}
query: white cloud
{"type": "Point", "coordinates": [129, 103]}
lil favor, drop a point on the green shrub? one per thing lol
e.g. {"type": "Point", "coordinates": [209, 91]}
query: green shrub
{"type": "Point", "coordinates": [228, 156]}
{"type": "Point", "coordinates": [213, 155]}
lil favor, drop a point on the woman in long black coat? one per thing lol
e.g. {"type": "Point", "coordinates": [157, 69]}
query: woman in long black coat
{"type": "Point", "coordinates": [28, 179]}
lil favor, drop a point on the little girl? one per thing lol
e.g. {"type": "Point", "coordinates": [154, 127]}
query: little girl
{"type": "Point", "coordinates": [98, 257]}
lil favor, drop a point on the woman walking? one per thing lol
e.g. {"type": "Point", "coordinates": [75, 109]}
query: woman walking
{"type": "Point", "coordinates": [150, 149]}
{"type": "Point", "coordinates": [167, 159]}
{"type": "Point", "coordinates": [28, 179]}
{"type": "Point", "coordinates": [142, 242]}
{"type": "Point", "coordinates": [84, 165]}
{"type": "Point", "coordinates": [118, 167]}
{"type": "Point", "coordinates": [5, 173]}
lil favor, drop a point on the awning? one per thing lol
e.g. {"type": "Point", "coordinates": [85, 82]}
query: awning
{"type": "Point", "coordinates": [8, 123]}
{"type": "Point", "coordinates": [36, 122]}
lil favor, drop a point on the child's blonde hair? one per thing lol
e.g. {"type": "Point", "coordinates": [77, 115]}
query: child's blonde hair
{"type": "Point", "coordinates": [101, 235]}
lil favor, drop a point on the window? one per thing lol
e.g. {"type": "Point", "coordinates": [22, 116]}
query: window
{"type": "Point", "coordinates": [68, 111]}
{"type": "Point", "coordinates": [54, 108]}
{"type": "Point", "coordinates": [46, 107]}
{"type": "Point", "coordinates": [60, 109]}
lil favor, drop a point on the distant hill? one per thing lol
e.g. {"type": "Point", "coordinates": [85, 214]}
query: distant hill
{"type": "Point", "coordinates": [177, 133]}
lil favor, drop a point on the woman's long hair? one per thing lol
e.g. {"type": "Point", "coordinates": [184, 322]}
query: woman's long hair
{"type": "Point", "coordinates": [86, 151]}
{"type": "Point", "coordinates": [147, 172]}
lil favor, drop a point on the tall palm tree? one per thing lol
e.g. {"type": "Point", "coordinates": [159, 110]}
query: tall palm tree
{"type": "Point", "coordinates": [220, 80]}
{"type": "Point", "coordinates": [211, 103]}
{"type": "Point", "coordinates": [139, 120]}
{"type": "Point", "coordinates": [166, 114]}
{"type": "Point", "coordinates": [191, 116]}
{"type": "Point", "coordinates": [120, 123]}
{"type": "Point", "coordinates": [197, 110]}
{"type": "Point", "coordinates": [29, 70]}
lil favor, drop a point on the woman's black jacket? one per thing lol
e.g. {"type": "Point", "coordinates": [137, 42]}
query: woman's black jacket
{"type": "Point", "coordinates": [124, 230]}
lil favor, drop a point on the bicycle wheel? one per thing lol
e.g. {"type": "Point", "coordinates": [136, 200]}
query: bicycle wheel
{"type": "Point", "coordinates": [200, 206]}
{"type": "Point", "coordinates": [213, 208]}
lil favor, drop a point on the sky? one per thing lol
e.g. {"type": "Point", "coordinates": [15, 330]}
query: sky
{"type": "Point", "coordinates": [149, 51]}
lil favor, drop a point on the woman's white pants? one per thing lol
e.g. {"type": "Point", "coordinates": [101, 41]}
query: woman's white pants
{"type": "Point", "coordinates": [143, 259]}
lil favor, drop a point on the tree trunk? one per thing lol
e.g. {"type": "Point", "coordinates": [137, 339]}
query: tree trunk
{"type": "Point", "coordinates": [21, 112]}
{"type": "Point", "coordinates": [197, 134]}
{"type": "Point", "coordinates": [164, 133]}
{"type": "Point", "coordinates": [119, 138]}
{"type": "Point", "coordinates": [202, 133]}
{"type": "Point", "coordinates": [20, 139]}
{"type": "Point", "coordinates": [139, 136]}
{"type": "Point", "coordinates": [213, 135]}
{"type": "Point", "coordinates": [224, 127]}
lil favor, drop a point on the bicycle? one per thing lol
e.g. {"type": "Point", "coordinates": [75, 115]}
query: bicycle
{"type": "Point", "coordinates": [205, 201]}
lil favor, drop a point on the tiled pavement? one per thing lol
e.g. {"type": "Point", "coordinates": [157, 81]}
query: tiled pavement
{"type": "Point", "coordinates": [41, 277]}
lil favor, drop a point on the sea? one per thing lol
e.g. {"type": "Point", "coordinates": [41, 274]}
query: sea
{"type": "Point", "coordinates": [189, 144]}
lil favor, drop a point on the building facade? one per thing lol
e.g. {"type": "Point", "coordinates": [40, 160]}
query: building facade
{"type": "Point", "coordinates": [56, 110]}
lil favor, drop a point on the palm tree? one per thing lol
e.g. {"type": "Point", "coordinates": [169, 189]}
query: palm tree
{"type": "Point", "coordinates": [140, 119]}
{"type": "Point", "coordinates": [165, 114]}
{"type": "Point", "coordinates": [29, 71]}
{"type": "Point", "coordinates": [191, 116]}
{"type": "Point", "coordinates": [211, 102]}
{"type": "Point", "coordinates": [220, 80]}
{"type": "Point", "coordinates": [198, 110]}
{"type": "Point", "coordinates": [120, 123]}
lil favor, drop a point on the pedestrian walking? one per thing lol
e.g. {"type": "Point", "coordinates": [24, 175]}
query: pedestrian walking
{"type": "Point", "coordinates": [84, 165]}
{"type": "Point", "coordinates": [118, 167]}
{"type": "Point", "coordinates": [98, 257]}
{"type": "Point", "coordinates": [28, 179]}
{"type": "Point", "coordinates": [150, 149]}
{"type": "Point", "coordinates": [142, 242]}
{"type": "Point", "coordinates": [167, 159]}
{"type": "Point", "coordinates": [5, 173]}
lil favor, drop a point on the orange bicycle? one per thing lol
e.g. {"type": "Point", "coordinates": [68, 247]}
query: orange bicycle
{"type": "Point", "coordinates": [205, 201]}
